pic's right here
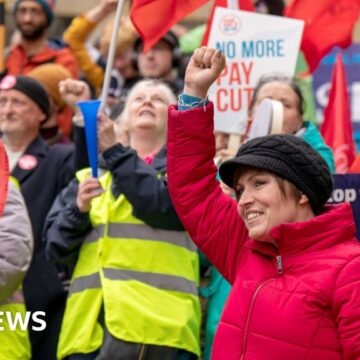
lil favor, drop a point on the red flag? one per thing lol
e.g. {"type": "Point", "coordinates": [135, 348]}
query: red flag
{"type": "Point", "coordinates": [327, 23]}
{"type": "Point", "coordinates": [246, 5]}
{"type": "Point", "coordinates": [153, 18]}
{"type": "Point", "coordinates": [336, 128]}
{"type": "Point", "coordinates": [4, 177]}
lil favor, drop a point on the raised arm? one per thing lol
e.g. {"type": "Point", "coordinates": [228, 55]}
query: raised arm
{"type": "Point", "coordinates": [77, 33]}
{"type": "Point", "coordinates": [208, 215]}
{"type": "Point", "coordinates": [144, 188]}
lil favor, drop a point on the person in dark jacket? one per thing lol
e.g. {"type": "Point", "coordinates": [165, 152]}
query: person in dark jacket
{"type": "Point", "coordinates": [133, 262]}
{"type": "Point", "coordinates": [41, 171]}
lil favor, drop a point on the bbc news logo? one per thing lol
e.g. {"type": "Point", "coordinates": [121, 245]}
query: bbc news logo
{"type": "Point", "coordinates": [16, 321]}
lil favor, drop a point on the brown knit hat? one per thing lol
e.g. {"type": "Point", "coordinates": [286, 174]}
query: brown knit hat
{"type": "Point", "coordinates": [50, 75]}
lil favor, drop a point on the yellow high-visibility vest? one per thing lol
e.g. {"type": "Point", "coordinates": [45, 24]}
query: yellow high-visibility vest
{"type": "Point", "coordinates": [146, 279]}
{"type": "Point", "coordinates": [14, 344]}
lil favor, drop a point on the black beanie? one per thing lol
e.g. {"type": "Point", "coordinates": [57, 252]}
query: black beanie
{"type": "Point", "coordinates": [290, 158]}
{"type": "Point", "coordinates": [30, 87]}
{"type": "Point", "coordinates": [170, 38]}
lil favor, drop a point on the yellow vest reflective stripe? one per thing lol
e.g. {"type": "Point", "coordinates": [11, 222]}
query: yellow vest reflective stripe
{"type": "Point", "coordinates": [83, 283]}
{"type": "Point", "coordinates": [161, 281]}
{"type": "Point", "coordinates": [144, 232]}
{"type": "Point", "coordinates": [148, 280]}
{"type": "Point", "coordinates": [80, 331]}
{"type": "Point", "coordinates": [14, 344]}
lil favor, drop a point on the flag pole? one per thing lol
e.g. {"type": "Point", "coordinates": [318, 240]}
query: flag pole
{"type": "Point", "coordinates": [111, 54]}
{"type": "Point", "coordinates": [2, 35]}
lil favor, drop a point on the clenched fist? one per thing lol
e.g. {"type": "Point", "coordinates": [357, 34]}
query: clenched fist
{"type": "Point", "coordinates": [73, 91]}
{"type": "Point", "coordinates": [204, 67]}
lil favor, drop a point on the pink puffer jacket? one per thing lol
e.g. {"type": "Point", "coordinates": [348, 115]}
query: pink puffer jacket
{"type": "Point", "coordinates": [300, 301]}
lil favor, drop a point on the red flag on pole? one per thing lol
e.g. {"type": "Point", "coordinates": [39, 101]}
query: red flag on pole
{"type": "Point", "coordinates": [246, 5]}
{"type": "Point", "coordinates": [4, 177]}
{"type": "Point", "coordinates": [153, 18]}
{"type": "Point", "coordinates": [336, 128]}
{"type": "Point", "coordinates": [327, 23]}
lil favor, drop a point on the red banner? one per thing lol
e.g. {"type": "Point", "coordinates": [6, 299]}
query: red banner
{"type": "Point", "coordinates": [336, 128]}
{"type": "Point", "coordinates": [153, 18]}
{"type": "Point", "coordinates": [327, 23]}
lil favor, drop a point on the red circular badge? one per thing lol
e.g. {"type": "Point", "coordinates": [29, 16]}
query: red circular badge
{"type": "Point", "coordinates": [8, 82]}
{"type": "Point", "coordinates": [27, 162]}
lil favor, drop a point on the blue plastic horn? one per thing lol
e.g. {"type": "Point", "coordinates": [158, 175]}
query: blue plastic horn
{"type": "Point", "coordinates": [90, 110]}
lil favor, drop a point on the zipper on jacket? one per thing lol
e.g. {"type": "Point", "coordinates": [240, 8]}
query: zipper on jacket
{"type": "Point", "coordinates": [279, 264]}
{"type": "Point", "coordinates": [142, 352]}
{"type": "Point", "coordinates": [259, 287]}
{"type": "Point", "coordinates": [280, 271]}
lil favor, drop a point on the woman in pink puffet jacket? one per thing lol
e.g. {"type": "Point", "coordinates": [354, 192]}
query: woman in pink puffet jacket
{"type": "Point", "coordinates": [292, 260]}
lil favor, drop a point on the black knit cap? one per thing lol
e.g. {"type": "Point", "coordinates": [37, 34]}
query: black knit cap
{"type": "Point", "coordinates": [170, 38]}
{"type": "Point", "coordinates": [30, 87]}
{"type": "Point", "coordinates": [290, 158]}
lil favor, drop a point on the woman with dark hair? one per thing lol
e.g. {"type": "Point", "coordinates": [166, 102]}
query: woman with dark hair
{"type": "Point", "coordinates": [293, 261]}
{"type": "Point", "coordinates": [288, 91]}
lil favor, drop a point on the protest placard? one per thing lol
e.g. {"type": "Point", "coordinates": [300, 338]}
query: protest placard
{"type": "Point", "coordinates": [347, 189]}
{"type": "Point", "coordinates": [254, 44]}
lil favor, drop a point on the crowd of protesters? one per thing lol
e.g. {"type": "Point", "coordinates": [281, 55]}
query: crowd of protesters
{"type": "Point", "coordinates": [139, 262]}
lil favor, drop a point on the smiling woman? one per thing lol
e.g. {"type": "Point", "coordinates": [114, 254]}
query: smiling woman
{"type": "Point", "coordinates": [145, 115]}
{"type": "Point", "coordinates": [266, 200]}
{"type": "Point", "coordinates": [141, 286]}
{"type": "Point", "coordinates": [293, 261]}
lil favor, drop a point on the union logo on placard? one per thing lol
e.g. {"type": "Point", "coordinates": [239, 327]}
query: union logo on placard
{"type": "Point", "coordinates": [230, 25]}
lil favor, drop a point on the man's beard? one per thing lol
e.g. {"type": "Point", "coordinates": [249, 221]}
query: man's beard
{"type": "Point", "coordinates": [32, 34]}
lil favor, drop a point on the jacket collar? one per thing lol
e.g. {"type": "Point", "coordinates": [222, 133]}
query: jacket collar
{"type": "Point", "coordinates": [159, 163]}
{"type": "Point", "coordinates": [332, 227]}
{"type": "Point", "coordinates": [45, 55]}
{"type": "Point", "coordinates": [38, 149]}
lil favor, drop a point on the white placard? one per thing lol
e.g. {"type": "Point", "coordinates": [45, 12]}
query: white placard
{"type": "Point", "coordinates": [254, 44]}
